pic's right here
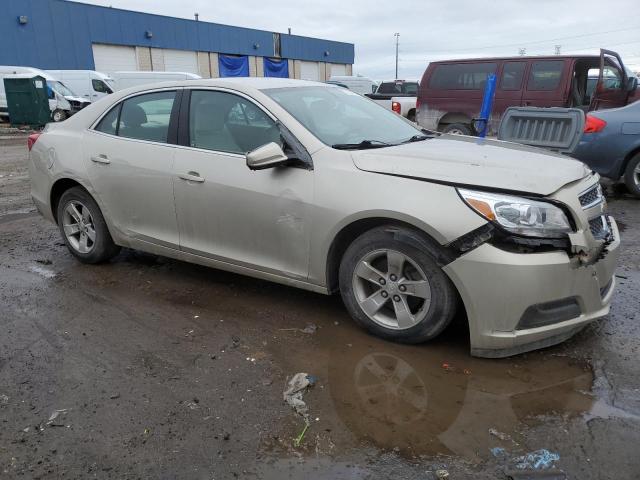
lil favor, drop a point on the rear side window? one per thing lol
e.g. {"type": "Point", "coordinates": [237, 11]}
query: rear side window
{"type": "Point", "coordinates": [461, 76]}
{"type": "Point", "coordinates": [545, 75]}
{"type": "Point", "coordinates": [100, 87]}
{"type": "Point", "coordinates": [109, 122]}
{"type": "Point", "coordinates": [512, 74]}
{"type": "Point", "coordinates": [147, 117]}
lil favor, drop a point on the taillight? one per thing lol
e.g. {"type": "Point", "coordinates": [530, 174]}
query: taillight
{"type": "Point", "coordinates": [594, 124]}
{"type": "Point", "coordinates": [32, 140]}
{"type": "Point", "coordinates": [395, 106]}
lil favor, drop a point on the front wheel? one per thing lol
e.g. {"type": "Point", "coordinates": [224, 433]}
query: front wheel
{"type": "Point", "coordinates": [632, 175]}
{"type": "Point", "coordinates": [83, 227]}
{"type": "Point", "coordinates": [392, 285]}
{"type": "Point", "coordinates": [59, 115]}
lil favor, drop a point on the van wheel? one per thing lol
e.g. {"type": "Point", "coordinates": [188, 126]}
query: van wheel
{"type": "Point", "coordinates": [59, 115]}
{"type": "Point", "coordinates": [457, 129]}
{"type": "Point", "coordinates": [632, 175]}
{"type": "Point", "coordinates": [392, 285]}
{"type": "Point", "coordinates": [412, 116]}
{"type": "Point", "coordinates": [83, 227]}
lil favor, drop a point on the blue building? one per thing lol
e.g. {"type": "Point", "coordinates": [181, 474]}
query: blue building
{"type": "Point", "coordinates": [66, 35]}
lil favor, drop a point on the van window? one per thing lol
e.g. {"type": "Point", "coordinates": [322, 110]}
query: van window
{"type": "Point", "coordinates": [461, 76]}
{"type": "Point", "coordinates": [100, 86]}
{"type": "Point", "coordinates": [512, 74]}
{"type": "Point", "coordinates": [545, 75]}
{"type": "Point", "coordinates": [146, 117]}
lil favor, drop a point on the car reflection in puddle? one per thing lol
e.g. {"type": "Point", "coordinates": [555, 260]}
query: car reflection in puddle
{"type": "Point", "coordinates": [435, 398]}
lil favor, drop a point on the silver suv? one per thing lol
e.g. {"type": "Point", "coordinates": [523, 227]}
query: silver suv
{"type": "Point", "coordinates": [316, 187]}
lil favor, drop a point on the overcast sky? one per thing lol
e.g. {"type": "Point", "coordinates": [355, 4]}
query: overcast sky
{"type": "Point", "coordinates": [429, 30]}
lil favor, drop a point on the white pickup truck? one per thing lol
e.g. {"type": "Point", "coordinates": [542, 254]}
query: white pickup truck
{"type": "Point", "coordinates": [397, 95]}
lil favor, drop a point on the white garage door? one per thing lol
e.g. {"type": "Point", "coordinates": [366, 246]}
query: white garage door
{"type": "Point", "coordinates": [309, 71]}
{"type": "Point", "coordinates": [180, 61]}
{"type": "Point", "coordinates": [114, 58]}
{"type": "Point", "coordinates": [338, 69]}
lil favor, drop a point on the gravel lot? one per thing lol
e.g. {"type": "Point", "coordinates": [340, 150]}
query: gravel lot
{"type": "Point", "coordinates": [151, 368]}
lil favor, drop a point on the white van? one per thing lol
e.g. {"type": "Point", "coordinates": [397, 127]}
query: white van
{"type": "Point", "coordinates": [62, 101]}
{"type": "Point", "coordinates": [89, 84]}
{"type": "Point", "coordinates": [356, 83]}
{"type": "Point", "coordinates": [133, 79]}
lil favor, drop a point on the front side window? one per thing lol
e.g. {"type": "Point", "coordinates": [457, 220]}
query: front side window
{"type": "Point", "coordinates": [545, 75]}
{"type": "Point", "coordinates": [512, 74]}
{"type": "Point", "coordinates": [338, 116]}
{"type": "Point", "coordinates": [462, 76]}
{"type": "Point", "coordinates": [225, 122]}
{"type": "Point", "coordinates": [100, 87]}
{"type": "Point", "coordinates": [147, 117]}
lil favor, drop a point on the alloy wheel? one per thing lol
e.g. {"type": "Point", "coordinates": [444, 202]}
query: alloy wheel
{"type": "Point", "coordinates": [391, 289]}
{"type": "Point", "coordinates": [78, 226]}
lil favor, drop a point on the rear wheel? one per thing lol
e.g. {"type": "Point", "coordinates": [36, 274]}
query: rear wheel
{"type": "Point", "coordinates": [632, 175]}
{"type": "Point", "coordinates": [392, 285]}
{"type": "Point", "coordinates": [458, 129]}
{"type": "Point", "coordinates": [412, 116]}
{"type": "Point", "coordinates": [83, 227]}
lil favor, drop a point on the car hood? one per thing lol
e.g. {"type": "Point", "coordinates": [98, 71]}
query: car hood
{"type": "Point", "coordinates": [470, 161]}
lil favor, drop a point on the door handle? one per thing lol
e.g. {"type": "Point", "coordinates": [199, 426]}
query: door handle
{"type": "Point", "coordinates": [100, 159]}
{"type": "Point", "coordinates": [191, 177]}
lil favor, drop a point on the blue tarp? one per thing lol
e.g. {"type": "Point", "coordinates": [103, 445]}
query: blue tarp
{"type": "Point", "coordinates": [230, 66]}
{"type": "Point", "coordinates": [276, 68]}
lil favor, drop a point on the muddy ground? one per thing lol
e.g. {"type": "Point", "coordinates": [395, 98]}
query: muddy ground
{"type": "Point", "coordinates": [151, 368]}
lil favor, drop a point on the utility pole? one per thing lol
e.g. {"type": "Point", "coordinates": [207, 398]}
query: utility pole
{"type": "Point", "coordinates": [397, 35]}
{"type": "Point", "coordinates": [522, 51]}
{"type": "Point", "coordinates": [196, 16]}
{"type": "Point", "coordinates": [558, 47]}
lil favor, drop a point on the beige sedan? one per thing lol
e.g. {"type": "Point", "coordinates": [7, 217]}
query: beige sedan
{"type": "Point", "coordinates": [316, 187]}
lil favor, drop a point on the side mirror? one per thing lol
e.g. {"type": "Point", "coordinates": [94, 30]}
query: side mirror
{"type": "Point", "coordinates": [266, 156]}
{"type": "Point", "coordinates": [632, 84]}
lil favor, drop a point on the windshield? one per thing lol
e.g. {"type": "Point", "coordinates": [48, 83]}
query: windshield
{"type": "Point", "coordinates": [60, 88]}
{"type": "Point", "coordinates": [339, 116]}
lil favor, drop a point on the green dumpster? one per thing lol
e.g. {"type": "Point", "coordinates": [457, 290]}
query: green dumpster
{"type": "Point", "coordinates": [27, 100]}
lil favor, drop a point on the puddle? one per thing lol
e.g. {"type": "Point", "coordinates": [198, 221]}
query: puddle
{"type": "Point", "coordinates": [435, 399]}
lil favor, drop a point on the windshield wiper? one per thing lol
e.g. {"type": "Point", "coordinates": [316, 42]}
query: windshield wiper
{"type": "Point", "coordinates": [362, 145]}
{"type": "Point", "coordinates": [417, 138]}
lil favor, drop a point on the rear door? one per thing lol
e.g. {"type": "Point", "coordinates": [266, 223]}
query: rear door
{"type": "Point", "coordinates": [129, 157]}
{"type": "Point", "coordinates": [547, 82]}
{"type": "Point", "coordinates": [611, 87]}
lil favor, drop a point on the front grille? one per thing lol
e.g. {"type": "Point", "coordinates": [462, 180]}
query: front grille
{"type": "Point", "coordinates": [591, 197]}
{"type": "Point", "coordinates": [599, 227]}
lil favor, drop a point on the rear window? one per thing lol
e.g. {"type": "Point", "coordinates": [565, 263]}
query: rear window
{"type": "Point", "coordinates": [407, 88]}
{"type": "Point", "coordinates": [461, 76]}
{"type": "Point", "coordinates": [512, 74]}
{"type": "Point", "coordinates": [545, 75]}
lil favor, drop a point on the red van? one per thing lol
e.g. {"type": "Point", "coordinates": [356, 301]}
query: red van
{"type": "Point", "coordinates": [451, 91]}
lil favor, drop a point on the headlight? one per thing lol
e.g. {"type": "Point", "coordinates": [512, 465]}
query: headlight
{"type": "Point", "coordinates": [519, 215]}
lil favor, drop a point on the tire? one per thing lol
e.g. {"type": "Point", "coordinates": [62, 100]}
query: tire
{"type": "Point", "coordinates": [632, 175]}
{"type": "Point", "coordinates": [99, 249]}
{"type": "Point", "coordinates": [403, 317]}
{"type": "Point", "coordinates": [458, 129]}
{"type": "Point", "coordinates": [412, 116]}
{"type": "Point", "coordinates": [58, 115]}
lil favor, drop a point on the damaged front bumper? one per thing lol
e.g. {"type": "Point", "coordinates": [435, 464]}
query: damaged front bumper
{"type": "Point", "coordinates": [517, 302]}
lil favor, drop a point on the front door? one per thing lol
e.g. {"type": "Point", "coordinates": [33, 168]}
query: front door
{"type": "Point", "coordinates": [611, 87]}
{"type": "Point", "coordinates": [129, 162]}
{"type": "Point", "coordinates": [257, 219]}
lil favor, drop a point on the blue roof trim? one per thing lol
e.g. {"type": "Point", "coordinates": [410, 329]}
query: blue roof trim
{"type": "Point", "coordinates": [59, 34]}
